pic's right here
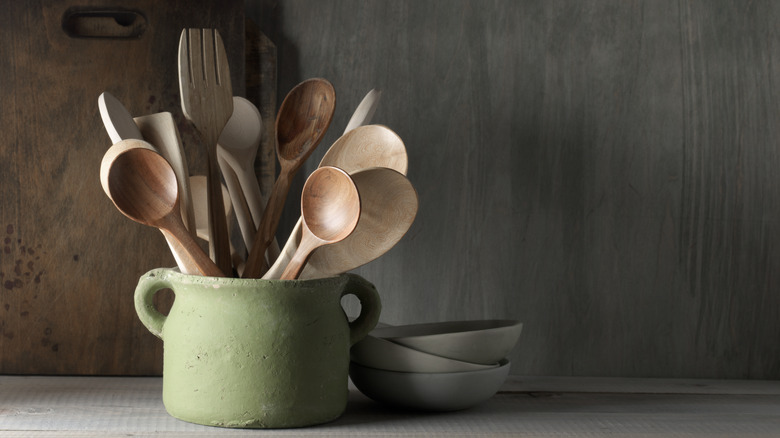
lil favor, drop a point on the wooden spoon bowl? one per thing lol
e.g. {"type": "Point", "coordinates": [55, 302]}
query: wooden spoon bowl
{"type": "Point", "coordinates": [389, 204]}
{"type": "Point", "coordinates": [330, 208]}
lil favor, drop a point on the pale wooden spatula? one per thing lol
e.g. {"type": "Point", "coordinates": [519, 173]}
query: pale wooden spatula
{"type": "Point", "coordinates": [207, 101]}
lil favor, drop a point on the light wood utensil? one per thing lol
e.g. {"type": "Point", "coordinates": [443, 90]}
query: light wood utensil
{"type": "Point", "coordinates": [142, 185]}
{"type": "Point", "coordinates": [117, 119]}
{"type": "Point", "coordinates": [363, 147]}
{"type": "Point", "coordinates": [201, 206]}
{"type": "Point", "coordinates": [364, 111]}
{"type": "Point", "coordinates": [303, 118]}
{"type": "Point", "coordinates": [389, 205]}
{"type": "Point", "coordinates": [237, 151]}
{"type": "Point", "coordinates": [207, 101]}
{"type": "Point", "coordinates": [330, 208]}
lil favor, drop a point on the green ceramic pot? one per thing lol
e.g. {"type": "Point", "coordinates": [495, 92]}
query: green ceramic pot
{"type": "Point", "coordinates": [256, 353]}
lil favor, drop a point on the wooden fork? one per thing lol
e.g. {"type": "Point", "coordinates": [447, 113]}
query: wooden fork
{"type": "Point", "coordinates": [207, 101]}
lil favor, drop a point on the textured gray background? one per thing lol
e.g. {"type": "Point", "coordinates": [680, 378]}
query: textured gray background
{"type": "Point", "coordinates": [604, 171]}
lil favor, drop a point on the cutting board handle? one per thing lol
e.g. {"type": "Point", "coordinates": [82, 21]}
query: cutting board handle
{"type": "Point", "coordinates": [112, 23]}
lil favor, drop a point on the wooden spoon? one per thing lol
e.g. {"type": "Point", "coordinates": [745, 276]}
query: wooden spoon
{"type": "Point", "coordinates": [388, 207]}
{"type": "Point", "coordinates": [108, 158]}
{"type": "Point", "coordinates": [303, 118]}
{"type": "Point", "coordinates": [143, 187]}
{"type": "Point", "coordinates": [157, 129]}
{"type": "Point", "coordinates": [362, 148]}
{"type": "Point", "coordinates": [236, 152]}
{"type": "Point", "coordinates": [330, 207]}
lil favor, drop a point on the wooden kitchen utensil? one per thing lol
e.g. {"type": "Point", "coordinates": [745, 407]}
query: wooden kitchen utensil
{"type": "Point", "coordinates": [143, 187]}
{"type": "Point", "coordinates": [236, 152]}
{"type": "Point", "coordinates": [389, 205]}
{"type": "Point", "coordinates": [303, 118]}
{"type": "Point", "coordinates": [361, 148]}
{"type": "Point", "coordinates": [117, 120]}
{"type": "Point", "coordinates": [207, 101]}
{"type": "Point", "coordinates": [201, 206]}
{"type": "Point", "coordinates": [330, 208]}
{"type": "Point", "coordinates": [160, 131]}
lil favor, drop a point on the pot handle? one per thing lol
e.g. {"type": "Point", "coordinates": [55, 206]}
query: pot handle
{"type": "Point", "coordinates": [148, 285]}
{"type": "Point", "coordinates": [370, 307]}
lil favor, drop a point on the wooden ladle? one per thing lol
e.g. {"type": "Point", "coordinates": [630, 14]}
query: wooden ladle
{"type": "Point", "coordinates": [302, 121]}
{"type": "Point", "coordinates": [330, 208]}
{"type": "Point", "coordinates": [142, 185]}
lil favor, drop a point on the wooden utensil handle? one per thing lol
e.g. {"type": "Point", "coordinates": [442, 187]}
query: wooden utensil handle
{"type": "Point", "coordinates": [191, 254]}
{"type": "Point", "coordinates": [255, 264]}
{"type": "Point", "coordinates": [299, 259]}
{"type": "Point", "coordinates": [219, 239]}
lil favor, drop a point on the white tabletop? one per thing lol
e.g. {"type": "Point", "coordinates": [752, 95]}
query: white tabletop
{"type": "Point", "coordinates": [525, 407]}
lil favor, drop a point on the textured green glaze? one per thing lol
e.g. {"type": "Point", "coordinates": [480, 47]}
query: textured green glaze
{"type": "Point", "coordinates": [255, 353]}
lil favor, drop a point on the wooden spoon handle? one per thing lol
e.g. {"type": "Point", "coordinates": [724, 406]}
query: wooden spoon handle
{"type": "Point", "coordinates": [219, 240]}
{"type": "Point", "coordinates": [190, 254]}
{"type": "Point", "coordinates": [255, 264]}
{"type": "Point", "coordinates": [286, 254]}
{"type": "Point", "coordinates": [239, 201]}
{"type": "Point", "coordinates": [301, 256]}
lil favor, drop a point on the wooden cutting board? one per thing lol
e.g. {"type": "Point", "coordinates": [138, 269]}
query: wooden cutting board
{"type": "Point", "coordinates": [69, 261]}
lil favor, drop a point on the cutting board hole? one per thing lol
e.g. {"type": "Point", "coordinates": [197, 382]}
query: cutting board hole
{"type": "Point", "coordinates": [111, 24]}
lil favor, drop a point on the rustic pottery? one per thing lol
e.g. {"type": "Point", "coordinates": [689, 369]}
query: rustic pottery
{"type": "Point", "coordinates": [256, 353]}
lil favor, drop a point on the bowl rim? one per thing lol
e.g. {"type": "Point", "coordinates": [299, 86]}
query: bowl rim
{"type": "Point", "coordinates": [400, 351]}
{"type": "Point", "coordinates": [503, 363]}
{"type": "Point", "coordinates": [444, 328]}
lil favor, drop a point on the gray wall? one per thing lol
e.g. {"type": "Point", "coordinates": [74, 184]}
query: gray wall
{"type": "Point", "coordinates": [604, 171]}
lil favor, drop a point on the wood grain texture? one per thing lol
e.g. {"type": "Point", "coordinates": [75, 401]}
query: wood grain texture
{"type": "Point", "coordinates": [66, 303]}
{"type": "Point", "coordinates": [604, 172]}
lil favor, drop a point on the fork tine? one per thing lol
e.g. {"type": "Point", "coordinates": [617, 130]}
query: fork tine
{"type": "Point", "coordinates": [184, 70]}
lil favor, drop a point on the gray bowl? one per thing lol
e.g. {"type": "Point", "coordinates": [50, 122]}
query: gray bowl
{"type": "Point", "coordinates": [429, 391]}
{"type": "Point", "coordinates": [478, 341]}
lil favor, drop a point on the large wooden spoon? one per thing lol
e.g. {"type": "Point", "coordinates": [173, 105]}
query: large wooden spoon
{"type": "Point", "coordinates": [389, 206]}
{"type": "Point", "coordinates": [142, 185]}
{"type": "Point", "coordinates": [362, 148]}
{"type": "Point", "coordinates": [303, 118]}
{"type": "Point", "coordinates": [160, 131]}
{"type": "Point", "coordinates": [330, 207]}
